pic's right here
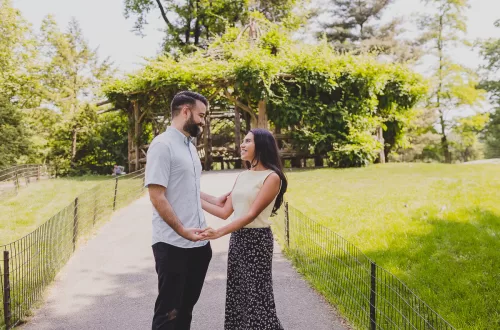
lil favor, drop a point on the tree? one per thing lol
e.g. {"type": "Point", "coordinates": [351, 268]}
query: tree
{"type": "Point", "coordinates": [490, 50]}
{"type": "Point", "coordinates": [13, 135]}
{"type": "Point", "coordinates": [454, 85]}
{"type": "Point", "coordinates": [329, 105]}
{"type": "Point", "coordinates": [354, 26]}
{"type": "Point", "coordinates": [71, 76]}
{"type": "Point", "coordinates": [466, 135]}
{"type": "Point", "coordinates": [492, 135]}
{"type": "Point", "coordinates": [190, 24]}
{"type": "Point", "coordinates": [18, 52]}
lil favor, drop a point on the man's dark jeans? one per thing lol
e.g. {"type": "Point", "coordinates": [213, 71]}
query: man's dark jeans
{"type": "Point", "coordinates": [181, 273]}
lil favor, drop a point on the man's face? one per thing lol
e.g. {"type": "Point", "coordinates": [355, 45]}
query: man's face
{"type": "Point", "coordinates": [196, 119]}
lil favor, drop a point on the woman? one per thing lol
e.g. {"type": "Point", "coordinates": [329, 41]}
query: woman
{"type": "Point", "coordinates": [257, 193]}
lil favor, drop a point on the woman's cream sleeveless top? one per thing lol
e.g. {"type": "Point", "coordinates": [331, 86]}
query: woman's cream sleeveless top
{"type": "Point", "coordinates": [245, 191]}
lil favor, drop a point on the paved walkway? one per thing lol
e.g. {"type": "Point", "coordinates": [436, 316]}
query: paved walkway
{"type": "Point", "coordinates": [110, 283]}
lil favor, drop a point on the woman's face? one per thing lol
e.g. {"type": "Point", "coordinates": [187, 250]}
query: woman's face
{"type": "Point", "coordinates": [248, 148]}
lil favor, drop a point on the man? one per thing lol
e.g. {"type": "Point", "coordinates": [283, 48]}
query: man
{"type": "Point", "coordinates": [173, 173]}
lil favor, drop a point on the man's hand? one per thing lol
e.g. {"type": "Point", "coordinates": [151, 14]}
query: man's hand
{"type": "Point", "coordinates": [194, 234]}
{"type": "Point", "coordinates": [221, 200]}
{"type": "Point", "coordinates": [210, 234]}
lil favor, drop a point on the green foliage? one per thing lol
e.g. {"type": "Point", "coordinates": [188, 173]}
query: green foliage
{"type": "Point", "coordinates": [17, 57]}
{"type": "Point", "coordinates": [330, 103]}
{"type": "Point", "coordinates": [490, 50]}
{"type": "Point", "coordinates": [13, 134]}
{"type": "Point", "coordinates": [492, 135]}
{"type": "Point", "coordinates": [190, 25]}
{"type": "Point", "coordinates": [355, 26]}
{"type": "Point", "coordinates": [465, 142]}
{"type": "Point", "coordinates": [453, 85]}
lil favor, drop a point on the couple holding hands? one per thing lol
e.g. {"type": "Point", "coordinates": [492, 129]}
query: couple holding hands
{"type": "Point", "coordinates": [181, 238]}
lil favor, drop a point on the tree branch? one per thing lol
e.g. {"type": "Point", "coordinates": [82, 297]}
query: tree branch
{"type": "Point", "coordinates": [165, 18]}
{"type": "Point", "coordinates": [239, 104]}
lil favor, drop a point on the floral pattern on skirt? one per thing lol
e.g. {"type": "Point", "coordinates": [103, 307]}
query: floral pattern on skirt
{"type": "Point", "coordinates": [249, 295]}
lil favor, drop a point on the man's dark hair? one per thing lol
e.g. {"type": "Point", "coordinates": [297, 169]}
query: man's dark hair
{"type": "Point", "coordinates": [186, 98]}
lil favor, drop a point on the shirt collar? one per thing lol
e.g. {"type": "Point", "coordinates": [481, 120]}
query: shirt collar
{"type": "Point", "coordinates": [185, 139]}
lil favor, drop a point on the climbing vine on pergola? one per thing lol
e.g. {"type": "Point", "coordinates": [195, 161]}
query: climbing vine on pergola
{"type": "Point", "coordinates": [329, 105]}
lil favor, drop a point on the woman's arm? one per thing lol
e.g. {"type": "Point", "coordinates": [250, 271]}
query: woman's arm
{"type": "Point", "coordinates": [265, 197]}
{"type": "Point", "coordinates": [214, 200]}
{"type": "Point", "coordinates": [222, 212]}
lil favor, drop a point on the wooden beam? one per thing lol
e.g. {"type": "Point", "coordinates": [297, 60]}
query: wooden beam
{"type": "Point", "coordinates": [103, 103]}
{"type": "Point", "coordinates": [100, 112]}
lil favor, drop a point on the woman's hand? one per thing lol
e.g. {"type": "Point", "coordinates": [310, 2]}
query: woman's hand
{"type": "Point", "coordinates": [210, 234]}
{"type": "Point", "coordinates": [221, 200]}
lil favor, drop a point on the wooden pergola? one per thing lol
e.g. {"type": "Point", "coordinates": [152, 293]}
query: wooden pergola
{"type": "Point", "coordinates": [139, 116]}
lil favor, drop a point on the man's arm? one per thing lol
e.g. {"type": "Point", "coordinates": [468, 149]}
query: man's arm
{"type": "Point", "coordinates": [161, 204]}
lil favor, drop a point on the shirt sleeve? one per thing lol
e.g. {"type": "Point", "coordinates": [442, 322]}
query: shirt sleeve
{"type": "Point", "coordinates": [158, 165]}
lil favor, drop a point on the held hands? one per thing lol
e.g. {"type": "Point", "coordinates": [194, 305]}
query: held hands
{"type": "Point", "coordinates": [197, 234]}
{"type": "Point", "coordinates": [210, 234]}
{"type": "Point", "coordinates": [194, 234]}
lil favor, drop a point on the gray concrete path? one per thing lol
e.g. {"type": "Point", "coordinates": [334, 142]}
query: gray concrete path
{"type": "Point", "coordinates": [110, 283]}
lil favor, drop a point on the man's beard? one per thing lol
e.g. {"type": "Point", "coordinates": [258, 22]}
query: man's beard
{"type": "Point", "coordinates": [192, 127]}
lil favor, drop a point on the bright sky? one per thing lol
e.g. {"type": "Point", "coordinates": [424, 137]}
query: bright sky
{"type": "Point", "coordinates": [105, 26]}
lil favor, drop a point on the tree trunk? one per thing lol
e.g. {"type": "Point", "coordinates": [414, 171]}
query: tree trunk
{"type": "Point", "coordinates": [380, 137]}
{"type": "Point", "coordinates": [262, 121]}
{"type": "Point", "coordinates": [73, 145]}
{"type": "Point", "coordinates": [444, 140]}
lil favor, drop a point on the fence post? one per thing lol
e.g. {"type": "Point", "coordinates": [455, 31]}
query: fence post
{"type": "Point", "coordinates": [16, 182]}
{"type": "Point", "coordinates": [287, 225]}
{"type": "Point", "coordinates": [38, 173]}
{"type": "Point", "coordinates": [75, 224]}
{"type": "Point", "coordinates": [6, 290]}
{"type": "Point", "coordinates": [373, 292]}
{"type": "Point", "coordinates": [116, 190]}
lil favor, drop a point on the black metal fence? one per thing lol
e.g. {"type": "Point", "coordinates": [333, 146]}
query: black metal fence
{"type": "Point", "coordinates": [367, 295]}
{"type": "Point", "coordinates": [29, 264]}
{"type": "Point", "coordinates": [13, 178]}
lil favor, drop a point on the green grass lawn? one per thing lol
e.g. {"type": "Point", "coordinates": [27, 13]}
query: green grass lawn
{"type": "Point", "coordinates": [35, 204]}
{"type": "Point", "coordinates": [436, 227]}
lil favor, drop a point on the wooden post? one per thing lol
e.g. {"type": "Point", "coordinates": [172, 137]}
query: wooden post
{"type": "Point", "coordinates": [130, 137]}
{"type": "Point", "coordinates": [248, 122]}
{"type": "Point", "coordinates": [373, 292]}
{"type": "Point", "coordinates": [262, 118]}
{"type": "Point", "coordinates": [237, 137]}
{"type": "Point", "coordinates": [6, 290]}
{"type": "Point", "coordinates": [116, 191]}
{"type": "Point", "coordinates": [38, 173]}
{"type": "Point", "coordinates": [207, 141]}
{"type": "Point", "coordinates": [75, 224]}
{"type": "Point", "coordinates": [287, 225]}
{"type": "Point", "coordinates": [137, 135]}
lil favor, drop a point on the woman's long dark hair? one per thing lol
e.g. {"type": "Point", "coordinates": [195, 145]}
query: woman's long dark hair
{"type": "Point", "coordinates": [266, 152]}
